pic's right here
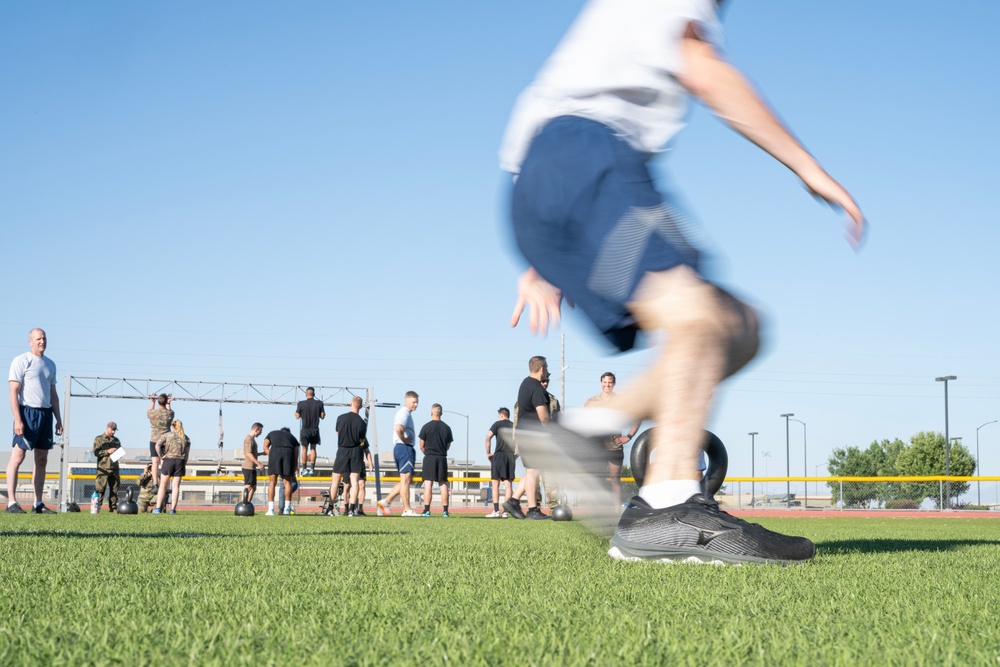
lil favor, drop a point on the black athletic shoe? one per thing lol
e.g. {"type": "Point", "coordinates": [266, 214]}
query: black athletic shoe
{"type": "Point", "coordinates": [41, 509]}
{"type": "Point", "coordinates": [14, 509]}
{"type": "Point", "coordinates": [513, 508]}
{"type": "Point", "coordinates": [699, 532]}
{"type": "Point", "coordinates": [536, 514]}
{"type": "Point", "coordinates": [359, 512]}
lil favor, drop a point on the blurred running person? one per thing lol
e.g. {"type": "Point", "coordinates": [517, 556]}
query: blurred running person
{"type": "Point", "coordinates": [34, 403]}
{"type": "Point", "coordinates": [310, 411]}
{"type": "Point", "coordinates": [502, 461]}
{"type": "Point", "coordinates": [251, 464]}
{"type": "Point", "coordinates": [614, 443]}
{"type": "Point", "coordinates": [161, 416]}
{"type": "Point", "coordinates": [173, 449]}
{"type": "Point", "coordinates": [351, 432]}
{"type": "Point", "coordinates": [280, 447]}
{"type": "Point", "coordinates": [404, 454]}
{"type": "Point", "coordinates": [593, 228]}
{"type": "Point", "coordinates": [532, 411]}
{"type": "Point", "coordinates": [435, 441]}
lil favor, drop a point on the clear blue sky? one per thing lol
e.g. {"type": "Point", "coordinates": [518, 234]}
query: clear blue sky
{"type": "Point", "coordinates": [308, 193]}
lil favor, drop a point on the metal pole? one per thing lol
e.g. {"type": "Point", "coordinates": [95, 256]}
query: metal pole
{"type": "Point", "coordinates": [753, 464]}
{"type": "Point", "coordinates": [788, 462]}
{"type": "Point", "coordinates": [947, 442]}
{"type": "Point", "coordinates": [979, 471]}
{"type": "Point", "coordinates": [805, 467]}
{"type": "Point", "coordinates": [63, 451]}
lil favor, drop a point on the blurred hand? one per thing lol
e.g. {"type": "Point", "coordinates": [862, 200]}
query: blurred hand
{"type": "Point", "coordinates": [822, 186]}
{"type": "Point", "coordinates": [542, 299]}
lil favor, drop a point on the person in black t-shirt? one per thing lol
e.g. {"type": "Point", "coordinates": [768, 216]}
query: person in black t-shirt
{"type": "Point", "coordinates": [532, 412]}
{"type": "Point", "coordinates": [435, 439]}
{"type": "Point", "coordinates": [501, 461]}
{"type": "Point", "coordinates": [280, 449]}
{"type": "Point", "coordinates": [310, 411]}
{"type": "Point", "coordinates": [351, 433]}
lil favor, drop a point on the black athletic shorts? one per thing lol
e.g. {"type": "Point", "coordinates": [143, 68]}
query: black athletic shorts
{"type": "Point", "coordinates": [281, 461]}
{"type": "Point", "coordinates": [250, 477]}
{"type": "Point", "coordinates": [173, 467]}
{"type": "Point", "coordinates": [435, 469]}
{"type": "Point", "coordinates": [616, 456]}
{"type": "Point", "coordinates": [349, 459]}
{"type": "Point", "coordinates": [502, 466]}
{"type": "Point", "coordinates": [309, 437]}
{"type": "Point", "coordinates": [152, 449]}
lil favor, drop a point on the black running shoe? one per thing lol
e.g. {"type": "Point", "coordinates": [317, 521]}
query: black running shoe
{"type": "Point", "coordinates": [536, 514]}
{"type": "Point", "coordinates": [14, 509]}
{"type": "Point", "coordinates": [41, 509]}
{"type": "Point", "coordinates": [513, 508]}
{"type": "Point", "coordinates": [359, 512]}
{"type": "Point", "coordinates": [699, 532]}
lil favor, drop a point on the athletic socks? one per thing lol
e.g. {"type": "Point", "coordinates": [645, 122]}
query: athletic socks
{"type": "Point", "coordinates": [496, 507]}
{"type": "Point", "coordinates": [445, 508]}
{"type": "Point", "coordinates": [427, 508]}
{"type": "Point", "coordinates": [270, 506]}
{"type": "Point", "coordinates": [669, 493]}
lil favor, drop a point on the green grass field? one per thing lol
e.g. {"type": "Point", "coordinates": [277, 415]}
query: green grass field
{"type": "Point", "coordinates": [212, 589]}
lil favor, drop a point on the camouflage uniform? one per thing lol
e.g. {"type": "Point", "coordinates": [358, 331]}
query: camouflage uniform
{"type": "Point", "coordinates": [107, 470]}
{"type": "Point", "coordinates": [159, 422]}
{"type": "Point", "coordinates": [147, 496]}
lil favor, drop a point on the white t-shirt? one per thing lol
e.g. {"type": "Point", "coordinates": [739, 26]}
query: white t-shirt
{"type": "Point", "coordinates": [37, 376]}
{"type": "Point", "coordinates": [618, 65]}
{"type": "Point", "coordinates": [405, 417]}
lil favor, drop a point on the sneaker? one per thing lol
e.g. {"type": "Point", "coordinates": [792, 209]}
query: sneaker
{"type": "Point", "coordinates": [335, 512]}
{"type": "Point", "coordinates": [504, 515]}
{"type": "Point", "coordinates": [359, 512]}
{"type": "Point", "coordinates": [513, 508]}
{"type": "Point", "coordinates": [536, 514]}
{"type": "Point", "coordinates": [14, 509]}
{"type": "Point", "coordinates": [444, 515]}
{"type": "Point", "coordinates": [493, 515]}
{"type": "Point", "coordinates": [385, 508]}
{"type": "Point", "coordinates": [157, 510]}
{"type": "Point", "coordinates": [287, 511]}
{"type": "Point", "coordinates": [425, 513]}
{"type": "Point", "coordinates": [173, 511]}
{"type": "Point", "coordinates": [267, 513]}
{"type": "Point", "coordinates": [351, 513]}
{"type": "Point", "coordinates": [408, 513]}
{"type": "Point", "coordinates": [699, 532]}
{"type": "Point", "coordinates": [41, 509]}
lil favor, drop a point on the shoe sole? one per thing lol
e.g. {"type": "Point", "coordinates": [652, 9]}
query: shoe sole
{"type": "Point", "coordinates": [635, 553]}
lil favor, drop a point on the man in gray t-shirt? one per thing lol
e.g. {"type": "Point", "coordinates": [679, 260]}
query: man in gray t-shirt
{"type": "Point", "coordinates": [34, 403]}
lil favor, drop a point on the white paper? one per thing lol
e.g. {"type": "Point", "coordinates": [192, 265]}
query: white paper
{"type": "Point", "coordinates": [118, 454]}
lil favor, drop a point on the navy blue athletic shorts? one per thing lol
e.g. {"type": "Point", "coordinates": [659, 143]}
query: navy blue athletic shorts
{"type": "Point", "coordinates": [37, 429]}
{"type": "Point", "coordinates": [588, 218]}
{"type": "Point", "coordinates": [406, 458]}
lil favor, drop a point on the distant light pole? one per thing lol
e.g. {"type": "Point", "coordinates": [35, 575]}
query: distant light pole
{"type": "Point", "coordinates": [766, 456]}
{"type": "Point", "coordinates": [466, 451]}
{"type": "Point", "coordinates": [947, 442]}
{"type": "Point", "coordinates": [753, 462]}
{"type": "Point", "coordinates": [805, 468]}
{"type": "Point", "coordinates": [979, 471]}
{"type": "Point", "coordinates": [788, 461]}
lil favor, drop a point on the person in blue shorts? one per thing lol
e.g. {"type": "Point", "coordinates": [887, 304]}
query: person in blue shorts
{"type": "Point", "coordinates": [595, 231]}
{"type": "Point", "coordinates": [404, 454]}
{"type": "Point", "coordinates": [34, 403]}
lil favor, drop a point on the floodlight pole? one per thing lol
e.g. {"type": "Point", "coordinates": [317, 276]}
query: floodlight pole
{"type": "Point", "coordinates": [788, 462]}
{"type": "Point", "coordinates": [753, 466]}
{"type": "Point", "coordinates": [979, 471]}
{"type": "Point", "coordinates": [805, 467]}
{"type": "Point", "coordinates": [947, 442]}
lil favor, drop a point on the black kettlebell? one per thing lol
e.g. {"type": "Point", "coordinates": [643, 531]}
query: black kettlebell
{"type": "Point", "coordinates": [128, 505]}
{"type": "Point", "coordinates": [244, 507]}
{"type": "Point", "coordinates": [718, 461]}
{"type": "Point", "coordinates": [562, 513]}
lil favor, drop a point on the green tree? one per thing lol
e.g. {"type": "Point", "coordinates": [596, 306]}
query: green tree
{"type": "Point", "coordinates": [926, 456]}
{"type": "Point", "coordinates": [856, 462]}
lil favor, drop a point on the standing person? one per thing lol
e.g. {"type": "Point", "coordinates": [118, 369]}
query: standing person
{"type": "Point", "coordinates": [502, 461]}
{"type": "Point", "coordinates": [251, 464]}
{"type": "Point", "coordinates": [108, 474]}
{"type": "Point", "coordinates": [548, 478]}
{"type": "Point", "coordinates": [351, 433]}
{"type": "Point", "coordinates": [173, 448]}
{"type": "Point", "coordinates": [532, 411]}
{"type": "Point", "coordinates": [435, 441]}
{"type": "Point", "coordinates": [369, 464]}
{"type": "Point", "coordinates": [280, 447]}
{"type": "Point", "coordinates": [161, 416]}
{"type": "Point", "coordinates": [404, 454]}
{"type": "Point", "coordinates": [310, 411]}
{"type": "Point", "coordinates": [614, 443]}
{"type": "Point", "coordinates": [594, 230]}
{"type": "Point", "coordinates": [34, 403]}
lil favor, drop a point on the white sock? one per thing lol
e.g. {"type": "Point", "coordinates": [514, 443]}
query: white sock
{"type": "Point", "coordinates": [270, 505]}
{"type": "Point", "coordinates": [11, 503]}
{"type": "Point", "coordinates": [669, 493]}
{"type": "Point", "coordinates": [595, 421]}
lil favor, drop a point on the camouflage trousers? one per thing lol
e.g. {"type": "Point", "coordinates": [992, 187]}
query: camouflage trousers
{"type": "Point", "coordinates": [147, 497]}
{"type": "Point", "coordinates": [108, 478]}
{"type": "Point", "coordinates": [553, 490]}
